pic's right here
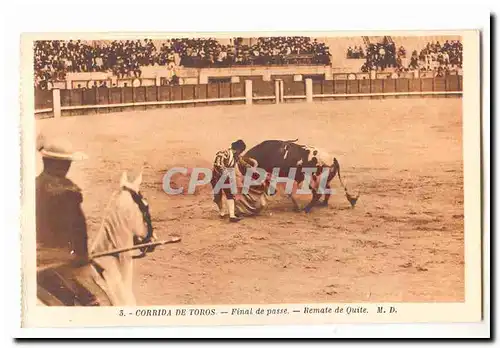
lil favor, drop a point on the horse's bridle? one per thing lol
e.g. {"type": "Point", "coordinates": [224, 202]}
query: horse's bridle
{"type": "Point", "coordinates": [143, 205]}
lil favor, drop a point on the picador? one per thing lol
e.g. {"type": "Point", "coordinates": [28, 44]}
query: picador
{"type": "Point", "coordinates": [61, 232]}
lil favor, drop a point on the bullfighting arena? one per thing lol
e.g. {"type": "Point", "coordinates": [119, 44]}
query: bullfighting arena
{"type": "Point", "coordinates": [403, 242]}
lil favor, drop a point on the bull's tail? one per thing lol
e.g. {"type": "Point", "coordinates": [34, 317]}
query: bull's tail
{"type": "Point", "coordinates": [350, 198]}
{"type": "Point", "coordinates": [336, 165]}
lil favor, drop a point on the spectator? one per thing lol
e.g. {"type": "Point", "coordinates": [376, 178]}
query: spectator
{"type": "Point", "coordinates": [282, 50]}
{"type": "Point", "coordinates": [349, 52]}
{"type": "Point", "coordinates": [381, 56]}
{"type": "Point", "coordinates": [54, 59]}
{"type": "Point", "coordinates": [413, 61]}
{"type": "Point", "coordinates": [355, 53]}
{"type": "Point", "coordinates": [402, 52]}
{"type": "Point", "coordinates": [440, 58]}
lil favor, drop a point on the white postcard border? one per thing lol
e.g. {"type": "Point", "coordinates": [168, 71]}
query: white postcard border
{"type": "Point", "coordinates": [471, 173]}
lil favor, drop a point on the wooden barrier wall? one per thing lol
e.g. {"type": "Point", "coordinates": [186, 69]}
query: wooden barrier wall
{"type": "Point", "coordinates": [437, 84]}
{"type": "Point", "coordinates": [110, 96]}
{"type": "Point", "coordinates": [43, 99]}
{"type": "Point", "coordinates": [260, 88]}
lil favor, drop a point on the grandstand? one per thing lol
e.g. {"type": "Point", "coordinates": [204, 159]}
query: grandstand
{"type": "Point", "coordinates": [374, 39]}
{"type": "Point", "coordinates": [188, 61]}
{"type": "Point", "coordinates": [338, 47]}
{"type": "Point", "coordinates": [418, 43]}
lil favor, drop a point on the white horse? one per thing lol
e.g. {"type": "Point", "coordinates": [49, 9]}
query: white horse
{"type": "Point", "coordinates": [127, 222]}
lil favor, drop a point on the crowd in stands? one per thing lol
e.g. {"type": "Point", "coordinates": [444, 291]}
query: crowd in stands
{"type": "Point", "coordinates": [434, 57]}
{"type": "Point", "coordinates": [204, 53]}
{"type": "Point", "coordinates": [355, 53]}
{"type": "Point", "coordinates": [438, 57]}
{"type": "Point", "coordinates": [124, 58]}
{"type": "Point", "coordinates": [53, 59]}
{"type": "Point", "coordinates": [282, 50]}
{"type": "Point", "coordinates": [201, 53]}
{"type": "Point", "coordinates": [380, 55]}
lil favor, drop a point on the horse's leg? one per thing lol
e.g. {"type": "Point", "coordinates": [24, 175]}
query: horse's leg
{"type": "Point", "coordinates": [127, 274]}
{"type": "Point", "coordinates": [97, 286]}
{"type": "Point", "coordinates": [120, 288]}
{"type": "Point", "coordinates": [113, 282]}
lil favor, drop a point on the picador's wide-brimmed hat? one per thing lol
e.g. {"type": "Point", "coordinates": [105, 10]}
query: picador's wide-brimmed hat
{"type": "Point", "coordinates": [58, 149]}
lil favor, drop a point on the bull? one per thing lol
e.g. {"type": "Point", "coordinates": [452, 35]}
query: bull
{"type": "Point", "coordinates": [287, 154]}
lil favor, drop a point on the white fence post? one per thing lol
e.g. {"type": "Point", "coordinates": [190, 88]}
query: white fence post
{"type": "Point", "coordinates": [277, 91]}
{"type": "Point", "coordinates": [248, 92]}
{"type": "Point", "coordinates": [56, 102]}
{"type": "Point", "coordinates": [309, 91]}
{"type": "Point", "coordinates": [282, 92]}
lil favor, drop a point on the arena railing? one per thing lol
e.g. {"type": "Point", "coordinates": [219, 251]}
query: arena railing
{"type": "Point", "coordinates": [277, 91]}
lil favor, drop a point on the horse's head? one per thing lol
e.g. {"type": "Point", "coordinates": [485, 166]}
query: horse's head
{"type": "Point", "coordinates": [127, 220]}
{"type": "Point", "coordinates": [137, 208]}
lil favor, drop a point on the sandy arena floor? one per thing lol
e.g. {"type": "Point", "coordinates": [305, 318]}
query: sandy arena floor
{"type": "Point", "coordinates": [402, 242]}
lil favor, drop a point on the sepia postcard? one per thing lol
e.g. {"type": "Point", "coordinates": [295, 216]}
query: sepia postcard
{"type": "Point", "coordinates": [251, 178]}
